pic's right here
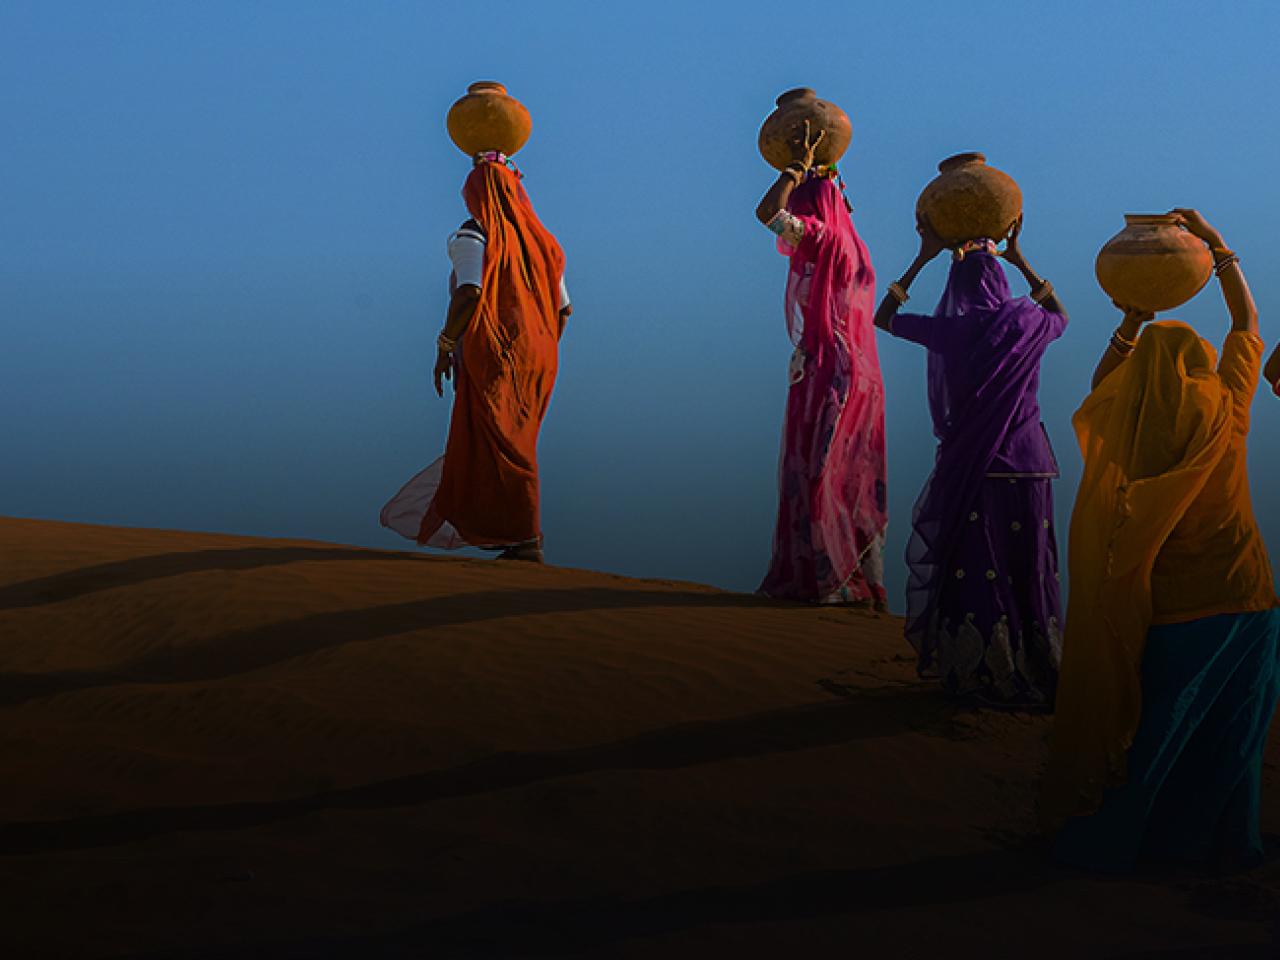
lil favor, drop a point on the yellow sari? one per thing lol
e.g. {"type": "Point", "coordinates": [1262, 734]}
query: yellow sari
{"type": "Point", "coordinates": [1162, 439]}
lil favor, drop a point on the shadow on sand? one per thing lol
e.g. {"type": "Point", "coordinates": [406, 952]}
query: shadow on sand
{"type": "Point", "coordinates": [876, 713]}
{"type": "Point", "coordinates": [125, 573]}
{"type": "Point", "coordinates": [243, 651]}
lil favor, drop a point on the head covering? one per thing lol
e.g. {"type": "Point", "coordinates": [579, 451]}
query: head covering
{"type": "Point", "coordinates": [488, 487]}
{"type": "Point", "coordinates": [976, 288]}
{"type": "Point", "coordinates": [523, 262]}
{"type": "Point", "coordinates": [1151, 433]}
{"type": "Point", "coordinates": [991, 345]}
{"type": "Point", "coordinates": [976, 281]}
{"type": "Point", "coordinates": [841, 265]}
{"type": "Point", "coordinates": [833, 435]}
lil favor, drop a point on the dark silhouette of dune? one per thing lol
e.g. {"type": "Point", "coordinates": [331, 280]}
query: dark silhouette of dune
{"type": "Point", "coordinates": [222, 747]}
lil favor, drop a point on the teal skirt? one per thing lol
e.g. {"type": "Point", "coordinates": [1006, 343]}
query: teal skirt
{"type": "Point", "coordinates": [1209, 688]}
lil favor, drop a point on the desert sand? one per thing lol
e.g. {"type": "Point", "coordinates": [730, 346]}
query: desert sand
{"type": "Point", "coordinates": [224, 746]}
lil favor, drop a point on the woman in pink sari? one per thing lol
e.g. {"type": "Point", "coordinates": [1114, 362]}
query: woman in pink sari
{"type": "Point", "coordinates": [831, 511]}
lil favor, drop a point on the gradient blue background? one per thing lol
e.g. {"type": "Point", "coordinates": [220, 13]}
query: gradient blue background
{"type": "Point", "coordinates": [223, 227]}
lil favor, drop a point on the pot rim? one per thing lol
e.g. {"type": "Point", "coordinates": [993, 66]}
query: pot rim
{"type": "Point", "coordinates": [1151, 218]}
{"type": "Point", "coordinates": [961, 159]}
{"type": "Point", "coordinates": [795, 93]}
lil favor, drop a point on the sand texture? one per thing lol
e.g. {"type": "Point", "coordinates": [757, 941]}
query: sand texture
{"type": "Point", "coordinates": [220, 746]}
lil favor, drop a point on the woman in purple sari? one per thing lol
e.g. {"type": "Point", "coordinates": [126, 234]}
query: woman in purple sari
{"type": "Point", "coordinates": [983, 610]}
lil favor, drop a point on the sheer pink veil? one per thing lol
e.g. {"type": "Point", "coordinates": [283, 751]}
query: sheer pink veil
{"type": "Point", "coordinates": [831, 514]}
{"type": "Point", "coordinates": [842, 275]}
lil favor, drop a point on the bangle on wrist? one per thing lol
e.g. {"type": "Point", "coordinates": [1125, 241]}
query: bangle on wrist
{"type": "Point", "coordinates": [445, 344]}
{"type": "Point", "coordinates": [1122, 344]}
{"type": "Point", "coordinates": [1223, 258]}
{"type": "Point", "coordinates": [1042, 292]}
{"type": "Point", "coordinates": [1118, 334]}
{"type": "Point", "coordinates": [898, 292]}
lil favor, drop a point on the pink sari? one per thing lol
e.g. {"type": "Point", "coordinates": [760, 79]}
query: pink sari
{"type": "Point", "coordinates": [831, 510]}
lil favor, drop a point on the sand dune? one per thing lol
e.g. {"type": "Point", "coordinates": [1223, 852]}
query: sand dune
{"type": "Point", "coordinates": [220, 746]}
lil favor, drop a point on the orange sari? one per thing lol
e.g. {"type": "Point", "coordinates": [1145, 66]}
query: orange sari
{"type": "Point", "coordinates": [506, 368]}
{"type": "Point", "coordinates": [1162, 531]}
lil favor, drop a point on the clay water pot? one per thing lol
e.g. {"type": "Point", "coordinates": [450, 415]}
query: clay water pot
{"type": "Point", "coordinates": [970, 200]}
{"type": "Point", "coordinates": [488, 118]}
{"type": "Point", "coordinates": [786, 124]}
{"type": "Point", "coordinates": [1153, 264]}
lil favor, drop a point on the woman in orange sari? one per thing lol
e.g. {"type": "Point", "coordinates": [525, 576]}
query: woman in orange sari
{"type": "Point", "coordinates": [500, 346]}
{"type": "Point", "coordinates": [1169, 670]}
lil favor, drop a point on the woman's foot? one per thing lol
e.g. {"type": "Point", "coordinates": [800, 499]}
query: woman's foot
{"type": "Point", "coordinates": [530, 551]}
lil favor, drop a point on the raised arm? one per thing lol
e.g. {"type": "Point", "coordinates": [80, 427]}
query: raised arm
{"type": "Point", "coordinates": [1235, 290]}
{"type": "Point", "coordinates": [1122, 343]}
{"type": "Point", "coordinates": [790, 177]}
{"type": "Point", "coordinates": [930, 246]}
{"type": "Point", "coordinates": [1042, 291]}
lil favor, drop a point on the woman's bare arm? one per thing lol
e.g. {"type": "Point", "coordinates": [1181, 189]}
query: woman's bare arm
{"type": "Point", "coordinates": [889, 305]}
{"type": "Point", "coordinates": [930, 246]}
{"type": "Point", "coordinates": [462, 309]}
{"type": "Point", "coordinates": [776, 198]}
{"type": "Point", "coordinates": [1014, 256]}
{"type": "Point", "coordinates": [1235, 289]}
{"type": "Point", "coordinates": [1113, 356]}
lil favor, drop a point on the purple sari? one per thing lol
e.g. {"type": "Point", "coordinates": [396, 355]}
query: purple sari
{"type": "Point", "coordinates": [983, 609]}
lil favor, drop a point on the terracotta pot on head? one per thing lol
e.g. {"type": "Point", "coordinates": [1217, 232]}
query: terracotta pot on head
{"type": "Point", "coordinates": [488, 118]}
{"type": "Point", "coordinates": [785, 126]}
{"type": "Point", "coordinates": [1153, 264]}
{"type": "Point", "coordinates": [970, 200]}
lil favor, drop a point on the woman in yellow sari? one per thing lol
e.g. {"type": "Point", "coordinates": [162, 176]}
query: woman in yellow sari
{"type": "Point", "coordinates": [1169, 670]}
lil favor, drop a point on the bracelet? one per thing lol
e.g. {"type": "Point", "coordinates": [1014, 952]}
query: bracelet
{"type": "Point", "coordinates": [1042, 292]}
{"type": "Point", "coordinates": [1227, 260]}
{"type": "Point", "coordinates": [1124, 341]}
{"type": "Point", "coordinates": [795, 175]}
{"type": "Point", "coordinates": [898, 292]}
{"type": "Point", "coordinates": [445, 344]}
{"type": "Point", "coordinates": [1121, 345]}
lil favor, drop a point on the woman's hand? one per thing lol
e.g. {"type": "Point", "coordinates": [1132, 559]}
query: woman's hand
{"type": "Point", "coordinates": [1113, 356]}
{"type": "Point", "coordinates": [1133, 319]}
{"type": "Point", "coordinates": [443, 370]}
{"type": "Point", "coordinates": [930, 243]}
{"type": "Point", "coordinates": [1235, 289]}
{"type": "Point", "coordinates": [1012, 250]}
{"type": "Point", "coordinates": [804, 150]}
{"type": "Point", "coordinates": [1197, 225]}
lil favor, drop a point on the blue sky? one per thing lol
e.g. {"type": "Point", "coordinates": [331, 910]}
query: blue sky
{"type": "Point", "coordinates": [223, 227]}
